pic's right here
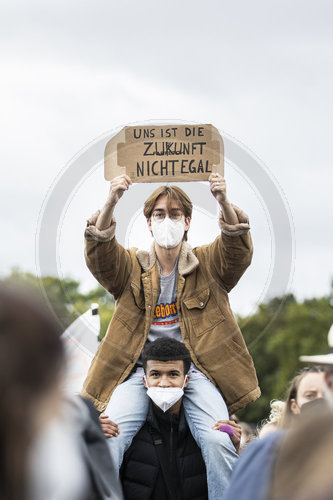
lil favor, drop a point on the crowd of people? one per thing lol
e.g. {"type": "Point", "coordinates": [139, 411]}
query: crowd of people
{"type": "Point", "coordinates": [156, 418]}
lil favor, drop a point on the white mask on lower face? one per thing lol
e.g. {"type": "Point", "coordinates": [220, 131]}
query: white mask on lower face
{"type": "Point", "coordinates": [168, 233]}
{"type": "Point", "coordinates": [165, 397]}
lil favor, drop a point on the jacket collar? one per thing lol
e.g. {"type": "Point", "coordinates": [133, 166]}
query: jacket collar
{"type": "Point", "coordinates": [157, 419]}
{"type": "Point", "coordinates": [186, 264]}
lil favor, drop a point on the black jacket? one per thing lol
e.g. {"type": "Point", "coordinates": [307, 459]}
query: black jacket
{"type": "Point", "coordinates": [185, 473]}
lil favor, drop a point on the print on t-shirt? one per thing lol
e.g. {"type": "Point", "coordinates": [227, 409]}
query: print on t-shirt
{"type": "Point", "coordinates": [165, 314]}
{"type": "Point", "coordinates": [165, 320]}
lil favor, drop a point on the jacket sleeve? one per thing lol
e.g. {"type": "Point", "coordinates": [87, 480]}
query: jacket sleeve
{"type": "Point", "coordinates": [252, 474]}
{"type": "Point", "coordinates": [231, 253]}
{"type": "Point", "coordinates": [107, 260]}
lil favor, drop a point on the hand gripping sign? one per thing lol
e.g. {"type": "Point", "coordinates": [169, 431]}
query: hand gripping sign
{"type": "Point", "coordinates": [169, 153]}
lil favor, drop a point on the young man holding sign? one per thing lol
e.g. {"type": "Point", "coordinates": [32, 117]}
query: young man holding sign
{"type": "Point", "coordinates": [173, 291]}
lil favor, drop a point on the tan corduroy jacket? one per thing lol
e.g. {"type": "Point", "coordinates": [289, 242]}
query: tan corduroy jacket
{"type": "Point", "coordinates": [205, 276]}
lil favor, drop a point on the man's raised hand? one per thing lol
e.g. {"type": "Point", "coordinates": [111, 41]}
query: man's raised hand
{"type": "Point", "coordinates": [117, 187]}
{"type": "Point", "coordinates": [219, 190]}
{"type": "Point", "coordinates": [218, 187]}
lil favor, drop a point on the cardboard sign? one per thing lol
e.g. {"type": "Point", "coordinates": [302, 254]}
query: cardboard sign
{"type": "Point", "coordinates": [165, 153]}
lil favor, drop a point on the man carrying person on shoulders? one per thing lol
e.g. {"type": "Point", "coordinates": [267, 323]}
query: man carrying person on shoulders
{"type": "Point", "coordinates": [164, 461]}
{"type": "Point", "coordinates": [179, 292]}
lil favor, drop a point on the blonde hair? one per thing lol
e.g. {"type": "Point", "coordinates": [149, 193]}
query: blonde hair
{"type": "Point", "coordinates": [275, 417]}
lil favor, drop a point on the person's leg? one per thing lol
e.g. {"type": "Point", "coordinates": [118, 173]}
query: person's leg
{"type": "Point", "coordinates": [128, 407]}
{"type": "Point", "coordinates": [203, 406]}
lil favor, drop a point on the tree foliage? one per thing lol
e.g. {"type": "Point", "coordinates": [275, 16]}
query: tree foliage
{"type": "Point", "coordinates": [65, 299]}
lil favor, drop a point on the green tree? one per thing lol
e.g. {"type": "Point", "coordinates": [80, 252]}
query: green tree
{"type": "Point", "coordinates": [64, 298]}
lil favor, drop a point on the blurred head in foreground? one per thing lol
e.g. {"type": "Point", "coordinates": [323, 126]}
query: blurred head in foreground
{"type": "Point", "coordinates": [31, 358]}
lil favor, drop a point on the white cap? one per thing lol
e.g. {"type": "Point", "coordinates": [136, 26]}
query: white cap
{"type": "Point", "coordinates": [322, 359]}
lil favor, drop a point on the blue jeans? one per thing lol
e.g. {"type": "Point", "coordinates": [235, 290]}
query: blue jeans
{"type": "Point", "coordinates": [203, 406]}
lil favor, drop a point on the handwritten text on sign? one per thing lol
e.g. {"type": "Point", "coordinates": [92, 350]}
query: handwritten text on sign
{"type": "Point", "coordinates": [165, 153]}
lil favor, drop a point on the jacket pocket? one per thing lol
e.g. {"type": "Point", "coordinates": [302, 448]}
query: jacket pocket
{"type": "Point", "coordinates": [138, 296]}
{"type": "Point", "coordinates": [129, 316]}
{"type": "Point", "coordinates": [202, 311]}
{"type": "Point", "coordinates": [125, 325]}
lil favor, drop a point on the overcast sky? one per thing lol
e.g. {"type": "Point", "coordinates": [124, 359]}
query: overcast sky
{"type": "Point", "coordinates": [260, 71]}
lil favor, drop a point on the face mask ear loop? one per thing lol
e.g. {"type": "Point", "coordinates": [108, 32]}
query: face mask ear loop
{"type": "Point", "coordinates": [186, 377]}
{"type": "Point", "coordinates": [145, 379]}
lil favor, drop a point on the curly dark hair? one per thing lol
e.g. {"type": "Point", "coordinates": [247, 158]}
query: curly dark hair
{"type": "Point", "coordinates": [166, 349]}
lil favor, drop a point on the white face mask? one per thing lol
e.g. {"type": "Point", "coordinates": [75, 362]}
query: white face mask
{"type": "Point", "coordinates": [165, 397]}
{"type": "Point", "coordinates": [168, 233]}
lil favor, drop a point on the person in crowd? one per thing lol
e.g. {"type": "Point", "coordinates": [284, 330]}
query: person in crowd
{"type": "Point", "coordinates": [179, 292]}
{"type": "Point", "coordinates": [164, 461]}
{"type": "Point", "coordinates": [273, 422]}
{"type": "Point", "coordinates": [49, 447]}
{"type": "Point", "coordinates": [306, 386]}
{"type": "Point", "coordinates": [261, 471]}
